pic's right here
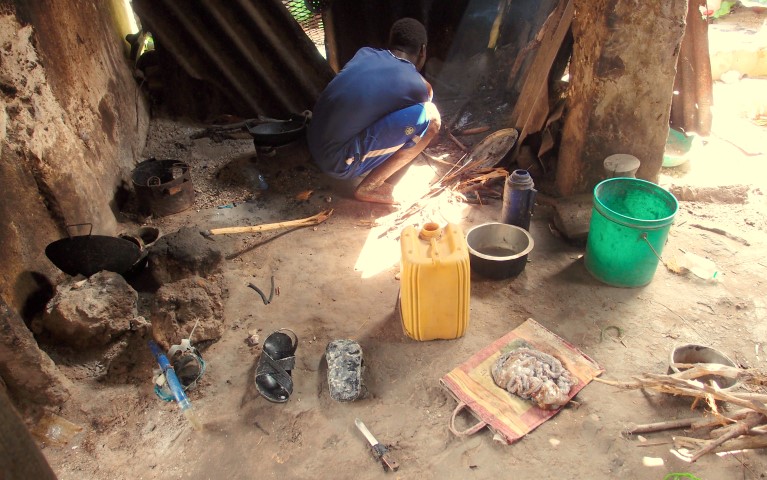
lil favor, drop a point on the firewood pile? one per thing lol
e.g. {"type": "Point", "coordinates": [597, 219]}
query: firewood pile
{"type": "Point", "coordinates": [719, 429]}
{"type": "Point", "coordinates": [475, 182]}
{"type": "Point", "coordinates": [463, 183]}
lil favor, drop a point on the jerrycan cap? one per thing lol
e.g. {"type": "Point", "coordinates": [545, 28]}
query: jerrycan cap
{"type": "Point", "coordinates": [430, 230]}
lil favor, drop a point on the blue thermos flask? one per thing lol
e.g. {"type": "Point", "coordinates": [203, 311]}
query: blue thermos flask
{"type": "Point", "coordinates": [518, 199]}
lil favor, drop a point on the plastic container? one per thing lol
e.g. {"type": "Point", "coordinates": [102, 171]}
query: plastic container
{"type": "Point", "coordinates": [621, 165]}
{"type": "Point", "coordinates": [678, 148]}
{"type": "Point", "coordinates": [434, 282]}
{"type": "Point", "coordinates": [629, 226]}
{"type": "Point", "coordinates": [518, 199]}
{"type": "Point", "coordinates": [699, 266]}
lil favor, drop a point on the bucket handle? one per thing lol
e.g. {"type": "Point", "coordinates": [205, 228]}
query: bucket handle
{"type": "Point", "coordinates": [469, 431]}
{"type": "Point", "coordinates": [90, 230]}
{"type": "Point", "coordinates": [643, 236]}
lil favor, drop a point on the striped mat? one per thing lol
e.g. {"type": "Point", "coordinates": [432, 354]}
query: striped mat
{"type": "Point", "coordinates": [507, 415]}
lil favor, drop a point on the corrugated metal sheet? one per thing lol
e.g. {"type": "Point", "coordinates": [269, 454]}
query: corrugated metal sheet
{"type": "Point", "coordinates": [253, 50]}
{"type": "Point", "coordinates": [310, 21]}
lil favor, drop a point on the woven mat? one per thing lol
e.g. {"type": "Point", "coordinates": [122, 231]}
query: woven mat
{"type": "Point", "coordinates": [507, 415]}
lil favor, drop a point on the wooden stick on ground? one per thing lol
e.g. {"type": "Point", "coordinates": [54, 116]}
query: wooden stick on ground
{"type": "Point", "coordinates": [473, 131]}
{"type": "Point", "coordinates": [431, 158]}
{"type": "Point", "coordinates": [747, 423]}
{"type": "Point", "coordinates": [303, 222]}
{"type": "Point", "coordinates": [692, 423]}
{"type": "Point", "coordinates": [676, 385]}
{"type": "Point", "coordinates": [720, 419]}
{"type": "Point", "coordinates": [457, 142]}
{"type": "Point", "coordinates": [741, 428]}
{"type": "Point", "coordinates": [660, 426]}
{"type": "Point", "coordinates": [477, 183]}
{"type": "Point", "coordinates": [670, 384]}
{"type": "Point", "coordinates": [734, 444]}
{"type": "Point", "coordinates": [724, 233]}
{"type": "Point", "coordinates": [414, 208]}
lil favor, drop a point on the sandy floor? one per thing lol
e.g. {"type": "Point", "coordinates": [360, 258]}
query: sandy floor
{"type": "Point", "coordinates": [338, 280]}
{"type": "Point", "coordinates": [327, 292]}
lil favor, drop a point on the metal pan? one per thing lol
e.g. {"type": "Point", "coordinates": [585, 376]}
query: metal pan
{"type": "Point", "coordinates": [276, 133]}
{"type": "Point", "coordinates": [89, 254]}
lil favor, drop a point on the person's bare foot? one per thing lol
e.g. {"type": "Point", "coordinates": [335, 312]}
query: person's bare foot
{"type": "Point", "coordinates": [380, 194]}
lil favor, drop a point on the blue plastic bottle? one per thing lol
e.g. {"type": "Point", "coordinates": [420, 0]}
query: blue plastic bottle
{"type": "Point", "coordinates": [518, 199]}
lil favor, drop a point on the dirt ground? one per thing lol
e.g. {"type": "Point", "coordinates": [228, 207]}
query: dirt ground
{"type": "Point", "coordinates": [327, 291]}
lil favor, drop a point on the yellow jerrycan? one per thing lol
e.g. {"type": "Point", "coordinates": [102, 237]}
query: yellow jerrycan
{"type": "Point", "coordinates": [434, 282]}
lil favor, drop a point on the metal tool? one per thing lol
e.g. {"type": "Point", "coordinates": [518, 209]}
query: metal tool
{"type": "Point", "coordinates": [379, 450]}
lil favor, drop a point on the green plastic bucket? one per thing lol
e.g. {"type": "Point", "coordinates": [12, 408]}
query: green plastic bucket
{"type": "Point", "coordinates": [629, 226]}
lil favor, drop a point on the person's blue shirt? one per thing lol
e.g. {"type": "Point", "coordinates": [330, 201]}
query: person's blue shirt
{"type": "Point", "coordinates": [372, 84]}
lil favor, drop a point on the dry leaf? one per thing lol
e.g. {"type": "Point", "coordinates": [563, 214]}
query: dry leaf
{"type": "Point", "coordinates": [304, 195]}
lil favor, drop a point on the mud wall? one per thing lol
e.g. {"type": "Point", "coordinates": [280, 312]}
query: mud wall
{"type": "Point", "coordinates": [72, 124]}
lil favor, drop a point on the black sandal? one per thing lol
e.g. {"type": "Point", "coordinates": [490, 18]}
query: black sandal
{"type": "Point", "coordinates": [273, 378]}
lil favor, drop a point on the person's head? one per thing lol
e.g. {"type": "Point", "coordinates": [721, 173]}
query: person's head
{"type": "Point", "coordinates": [408, 35]}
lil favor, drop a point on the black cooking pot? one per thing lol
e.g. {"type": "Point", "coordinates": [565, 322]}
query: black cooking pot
{"type": "Point", "coordinates": [89, 254]}
{"type": "Point", "coordinates": [278, 132]}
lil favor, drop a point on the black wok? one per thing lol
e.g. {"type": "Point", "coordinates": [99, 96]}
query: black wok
{"type": "Point", "coordinates": [89, 254]}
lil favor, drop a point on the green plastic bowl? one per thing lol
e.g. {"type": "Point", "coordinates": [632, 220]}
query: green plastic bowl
{"type": "Point", "coordinates": [678, 145]}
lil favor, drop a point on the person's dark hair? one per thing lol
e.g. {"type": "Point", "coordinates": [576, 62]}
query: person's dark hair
{"type": "Point", "coordinates": [407, 35]}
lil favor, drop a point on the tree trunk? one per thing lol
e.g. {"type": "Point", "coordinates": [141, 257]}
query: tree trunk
{"type": "Point", "coordinates": [622, 75]}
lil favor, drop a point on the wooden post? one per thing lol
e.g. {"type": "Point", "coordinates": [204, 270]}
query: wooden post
{"type": "Point", "coordinates": [691, 108]}
{"type": "Point", "coordinates": [622, 74]}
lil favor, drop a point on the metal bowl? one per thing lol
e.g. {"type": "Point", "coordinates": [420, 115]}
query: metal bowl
{"type": "Point", "coordinates": [691, 353]}
{"type": "Point", "coordinates": [498, 250]}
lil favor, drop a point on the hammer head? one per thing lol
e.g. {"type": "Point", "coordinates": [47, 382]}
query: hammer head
{"type": "Point", "coordinates": [207, 235]}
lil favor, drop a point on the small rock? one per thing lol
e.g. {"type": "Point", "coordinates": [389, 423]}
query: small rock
{"type": "Point", "coordinates": [252, 340]}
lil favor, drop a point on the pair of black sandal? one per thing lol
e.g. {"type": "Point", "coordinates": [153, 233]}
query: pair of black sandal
{"type": "Point", "coordinates": [273, 374]}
